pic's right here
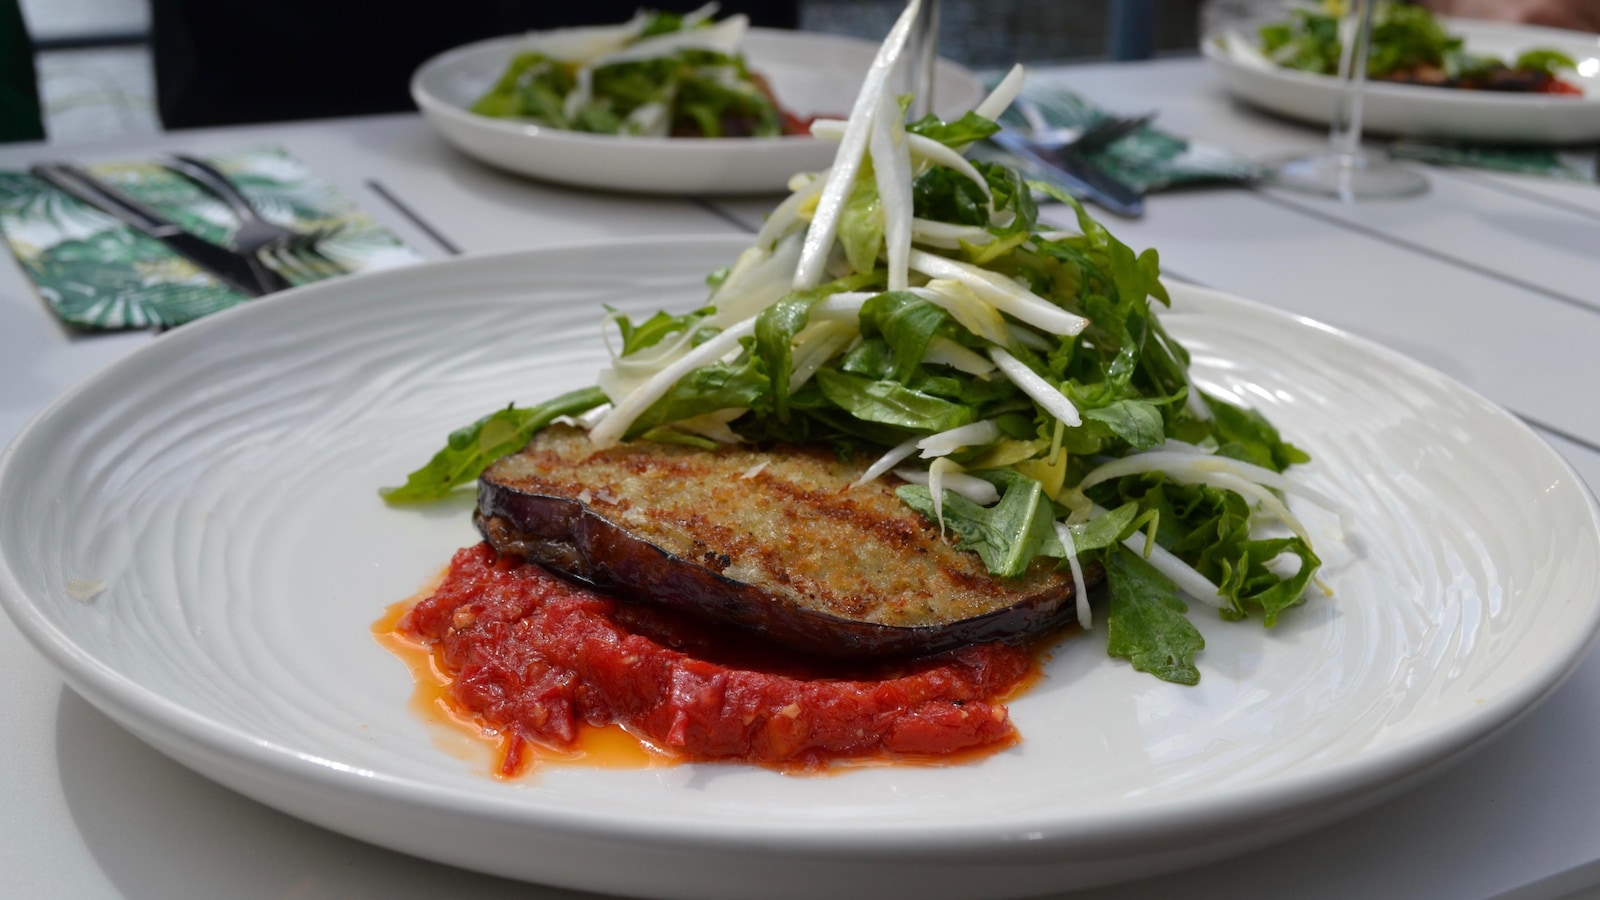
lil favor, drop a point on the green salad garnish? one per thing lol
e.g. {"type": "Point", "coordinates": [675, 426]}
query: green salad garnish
{"type": "Point", "coordinates": [1408, 44]}
{"type": "Point", "coordinates": [909, 306]}
{"type": "Point", "coordinates": [660, 74]}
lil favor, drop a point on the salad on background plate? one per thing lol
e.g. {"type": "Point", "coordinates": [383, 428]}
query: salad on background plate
{"type": "Point", "coordinates": [660, 74]}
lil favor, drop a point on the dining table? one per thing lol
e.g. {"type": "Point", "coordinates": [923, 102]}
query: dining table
{"type": "Point", "coordinates": [1490, 278]}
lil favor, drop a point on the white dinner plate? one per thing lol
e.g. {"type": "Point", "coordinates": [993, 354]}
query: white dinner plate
{"type": "Point", "coordinates": [221, 485]}
{"type": "Point", "coordinates": [1427, 112]}
{"type": "Point", "coordinates": [811, 75]}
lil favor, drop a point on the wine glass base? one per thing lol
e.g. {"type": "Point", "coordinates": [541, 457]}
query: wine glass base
{"type": "Point", "coordinates": [1347, 177]}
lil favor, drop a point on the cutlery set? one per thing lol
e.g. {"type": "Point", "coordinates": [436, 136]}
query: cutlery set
{"type": "Point", "coordinates": [263, 257]}
{"type": "Point", "coordinates": [1060, 157]}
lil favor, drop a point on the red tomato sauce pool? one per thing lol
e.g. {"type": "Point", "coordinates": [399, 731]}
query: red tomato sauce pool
{"type": "Point", "coordinates": [545, 664]}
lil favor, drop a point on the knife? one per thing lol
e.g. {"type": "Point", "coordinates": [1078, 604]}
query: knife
{"type": "Point", "coordinates": [1075, 174]}
{"type": "Point", "coordinates": [242, 273]}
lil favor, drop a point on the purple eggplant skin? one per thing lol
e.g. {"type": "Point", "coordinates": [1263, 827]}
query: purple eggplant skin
{"type": "Point", "coordinates": [776, 541]}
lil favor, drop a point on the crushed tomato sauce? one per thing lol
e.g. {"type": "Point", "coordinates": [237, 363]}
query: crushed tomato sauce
{"type": "Point", "coordinates": [537, 658]}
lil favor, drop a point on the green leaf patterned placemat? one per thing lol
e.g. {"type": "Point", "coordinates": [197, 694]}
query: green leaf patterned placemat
{"type": "Point", "coordinates": [1147, 160]}
{"type": "Point", "coordinates": [97, 274]}
{"type": "Point", "coordinates": [1566, 164]}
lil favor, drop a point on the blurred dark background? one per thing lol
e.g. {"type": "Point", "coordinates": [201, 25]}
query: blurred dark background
{"type": "Point", "coordinates": [223, 61]}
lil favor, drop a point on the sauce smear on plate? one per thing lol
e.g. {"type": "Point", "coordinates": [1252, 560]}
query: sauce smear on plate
{"type": "Point", "coordinates": [558, 671]}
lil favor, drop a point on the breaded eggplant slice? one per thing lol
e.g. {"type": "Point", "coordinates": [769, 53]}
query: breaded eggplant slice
{"type": "Point", "coordinates": [776, 541]}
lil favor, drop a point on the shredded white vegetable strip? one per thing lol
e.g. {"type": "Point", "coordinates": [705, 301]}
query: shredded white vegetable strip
{"type": "Point", "coordinates": [924, 150]}
{"type": "Point", "coordinates": [969, 486]}
{"type": "Point", "coordinates": [1181, 465]}
{"type": "Point", "coordinates": [1007, 296]}
{"type": "Point", "coordinates": [817, 344]}
{"type": "Point", "coordinates": [786, 214]}
{"type": "Point", "coordinates": [1043, 392]}
{"type": "Point", "coordinates": [609, 430]}
{"type": "Point", "coordinates": [946, 442]}
{"type": "Point", "coordinates": [1004, 94]}
{"type": "Point", "coordinates": [891, 168]}
{"type": "Point", "coordinates": [1182, 574]}
{"type": "Point", "coordinates": [946, 236]}
{"type": "Point", "coordinates": [893, 457]}
{"type": "Point", "coordinates": [824, 228]}
{"type": "Point", "coordinates": [944, 352]}
{"type": "Point", "coordinates": [844, 306]}
{"type": "Point", "coordinates": [968, 309]}
{"type": "Point", "coordinates": [757, 280]}
{"type": "Point", "coordinates": [1080, 593]}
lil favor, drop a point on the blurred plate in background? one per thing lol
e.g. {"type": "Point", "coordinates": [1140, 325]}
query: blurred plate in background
{"type": "Point", "coordinates": [811, 74]}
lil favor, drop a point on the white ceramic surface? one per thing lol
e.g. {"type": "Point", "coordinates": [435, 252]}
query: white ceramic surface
{"type": "Point", "coordinates": [1412, 111]}
{"type": "Point", "coordinates": [811, 74]}
{"type": "Point", "coordinates": [222, 485]}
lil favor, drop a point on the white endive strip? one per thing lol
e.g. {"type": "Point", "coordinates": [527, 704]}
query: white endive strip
{"type": "Point", "coordinates": [712, 425]}
{"type": "Point", "coordinates": [944, 352]}
{"type": "Point", "coordinates": [824, 228]}
{"type": "Point", "coordinates": [930, 150]}
{"type": "Point", "coordinates": [843, 306]}
{"type": "Point", "coordinates": [947, 442]}
{"type": "Point", "coordinates": [889, 460]}
{"type": "Point", "coordinates": [1182, 574]}
{"type": "Point", "coordinates": [923, 150]}
{"type": "Point", "coordinates": [1080, 594]}
{"type": "Point", "coordinates": [1029, 338]}
{"type": "Point", "coordinates": [649, 120]}
{"type": "Point", "coordinates": [814, 346]}
{"type": "Point", "coordinates": [581, 44]}
{"type": "Point", "coordinates": [1262, 497]}
{"type": "Point", "coordinates": [1007, 296]}
{"type": "Point", "coordinates": [1003, 95]}
{"type": "Point", "coordinates": [609, 430]}
{"type": "Point", "coordinates": [694, 17]}
{"type": "Point", "coordinates": [787, 214]}
{"type": "Point", "coordinates": [723, 37]}
{"type": "Point", "coordinates": [969, 486]}
{"type": "Point", "coordinates": [1043, 392]}
{"type": "Point", "coordinates": [891, 169]}
{"type": "Point", "coordinates": [946, 236]}
{"type": "Point", "coordinates": [1185, 465]}
{"type": "Point", "coordinates": [968, 309]}
{"type": "Point", "coordinates": [758, 280]}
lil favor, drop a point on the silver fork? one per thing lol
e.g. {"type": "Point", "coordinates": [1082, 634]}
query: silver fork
{"type": "Point", "coordinates": [1102, 133]}
{"type": "Point", "coordinates": [293, 253]}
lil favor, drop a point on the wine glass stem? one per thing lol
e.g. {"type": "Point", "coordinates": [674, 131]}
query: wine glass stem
{"type": "Point", "coordinates": [920, 56]}
{"type": "Point", "coordinates": [1346, 135]}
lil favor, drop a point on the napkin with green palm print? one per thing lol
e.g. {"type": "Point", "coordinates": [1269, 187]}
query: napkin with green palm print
{"type": "Point", "coordinates": [1581, 164]}
{"type": "Point", "coordinates": [97, 274]}
{"type": "Point", "coordinates": [1147, 160]}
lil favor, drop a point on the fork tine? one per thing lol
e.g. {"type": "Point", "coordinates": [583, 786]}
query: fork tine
{"type": "Point", "coordinates": [1115, 129]}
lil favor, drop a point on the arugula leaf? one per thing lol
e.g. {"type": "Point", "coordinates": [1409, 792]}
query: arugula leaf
{"type": "Point", "coordinates": [1107, 529]}
{"type": "Point", "coordinates": [1138, 422]}
{"type": "Point", "coordinates": [1246, 434]}
{"type": "Point", "coordinates": [969, 129]}
{"type": "Point", "coordinates": [1006, 536]}
{"type": "Point", "coordinates": [471, 449]}
{"type": "Point", "coordinates": [907, 323]}
{"type": "Point", "coordinates": [654, 329]}
{"type": "Point", "coordinates": [891, 403]}
{"type": "Point", "coordinates": [730, 385]}
{"type": "Point", "coordinates": [1547, 61]}
{"type": "Point", "coordinates": [1145, 621]}
{"type": "Point", "coordinates": [861, 222]}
